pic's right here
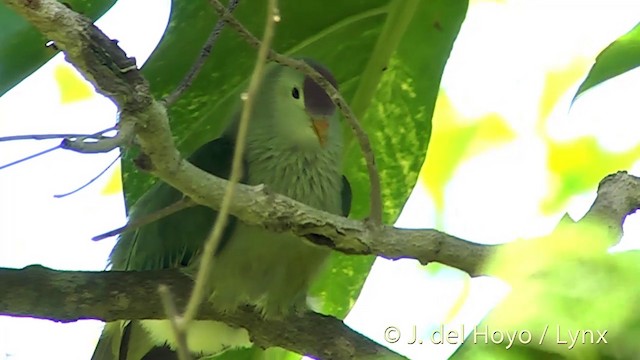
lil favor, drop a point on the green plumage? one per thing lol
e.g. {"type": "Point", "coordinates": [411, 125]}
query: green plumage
{"type": "Point", "coordinates": [270, 271]}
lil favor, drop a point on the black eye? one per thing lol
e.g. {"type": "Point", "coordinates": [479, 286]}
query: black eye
{"type": "Point", "coordinates": [295, 93]}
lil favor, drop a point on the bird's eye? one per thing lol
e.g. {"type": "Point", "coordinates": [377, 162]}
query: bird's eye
{"type": "Point", "coordinates": [295, 93]}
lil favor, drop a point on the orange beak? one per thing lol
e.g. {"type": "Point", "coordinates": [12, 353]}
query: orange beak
{"type": "Point", "coordinates": [321, 128]}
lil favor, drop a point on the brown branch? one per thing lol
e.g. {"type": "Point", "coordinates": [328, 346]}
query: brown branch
{"type": "Point", "coordinates": [114, 295]}
{"type": "Point", "coordinates": [204, 55]}
{"type": "Point", "coordinates": [338, 100]}
{"type": "Point", "coordinates": [618, 197]}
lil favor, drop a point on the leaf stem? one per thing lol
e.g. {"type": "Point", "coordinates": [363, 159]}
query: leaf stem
{"type": "Point", "coordinates": [236, 170]}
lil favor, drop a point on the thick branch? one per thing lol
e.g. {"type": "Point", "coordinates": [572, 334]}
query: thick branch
{"type": "Point", "coordinates": [75, 295]}
{"type": "Point", "coordinates": [618, 197]}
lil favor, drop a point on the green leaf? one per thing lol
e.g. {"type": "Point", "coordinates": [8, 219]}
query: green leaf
{"type": "Point", "coordinates": [398, 121]}
{"type": "Point", "coordinates": [22, 47]}
{"type": "Point", "coordinates": [567, 281]}
{"type": "Point", "coordinates": [619, 57]}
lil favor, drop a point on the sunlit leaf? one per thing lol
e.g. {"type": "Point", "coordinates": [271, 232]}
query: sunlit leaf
{"type": "Point", "coordinates": [461, 300]}
{"type": "Point", "coordinates": [456, 139]}
{"type": "Point", "coordinates": [558, 82]}
{"type": "Point", "coordinates": [566, 282]}
{"type": "Point", "coordinates": [114, 185]}
{"type": "Point", "coordinates": [71, 85]}
{"type": "Point", "coordinates": [578, 165]}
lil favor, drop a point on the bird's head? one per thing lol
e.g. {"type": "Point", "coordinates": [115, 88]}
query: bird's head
{"type": "Point", "coordinates": [298, 113]}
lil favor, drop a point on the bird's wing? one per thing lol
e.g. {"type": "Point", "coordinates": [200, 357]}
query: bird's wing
{"type": "Point", "coordinates": [173, 241]}
{"type": "Point", "coordinates": [170, 242]}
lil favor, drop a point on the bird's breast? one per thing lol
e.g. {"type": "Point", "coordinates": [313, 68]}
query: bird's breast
{"type": "Point", "coordinates": [313, 179]}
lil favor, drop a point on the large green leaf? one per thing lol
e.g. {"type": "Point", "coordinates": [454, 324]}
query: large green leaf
{"type": "Point", "coordinates": [22, 47]}
{"type": "Point", "coordinates": [398, 47]}
{"type": "Point", "coordinates": [619, 57]}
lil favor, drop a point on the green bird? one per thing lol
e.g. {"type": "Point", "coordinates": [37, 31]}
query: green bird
{"type": "Point", "coordinates": [294, 146]}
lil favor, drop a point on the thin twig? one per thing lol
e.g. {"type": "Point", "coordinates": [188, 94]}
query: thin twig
{"type": "Point", "coordinates": [204, 55]}
{"type": "Point", "coordinates": [29, 157]}
{"type": "Point", "coordinates": [179, 205]}
{"type": "Point", "coordinates": [365, 145]}
{"type": "Point", "coordinates": [97, 136]}
{"type": "Point", "coordinates": [42, 137]}
{"type": "Point", "coordinates": [174, 318]}
{"type": "Point", "coordinates": [90, 181]}
{"type": "Point", "coordinates": [236, 170]}
{"type": "Point", "coordinates": [102, 144]}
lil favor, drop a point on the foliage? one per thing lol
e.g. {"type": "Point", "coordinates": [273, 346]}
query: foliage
{"type": "Point", "coordinates": [552, 308]}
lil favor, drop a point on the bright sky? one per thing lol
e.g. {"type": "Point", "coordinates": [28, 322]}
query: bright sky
{"type": "Point", "coordinates": [499, 65]}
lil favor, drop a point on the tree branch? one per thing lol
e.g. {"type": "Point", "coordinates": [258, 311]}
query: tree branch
{"type": "Point", "coordinates": [618, 197]}
{"type": "Point", "coordinates": [102, 144]}
{"type": "Point", "coordinates": [113, 295]}
{"type": "Point", "coordinates": [202, 58]}
{"type": "Point", "coordinates": [73, 141]}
